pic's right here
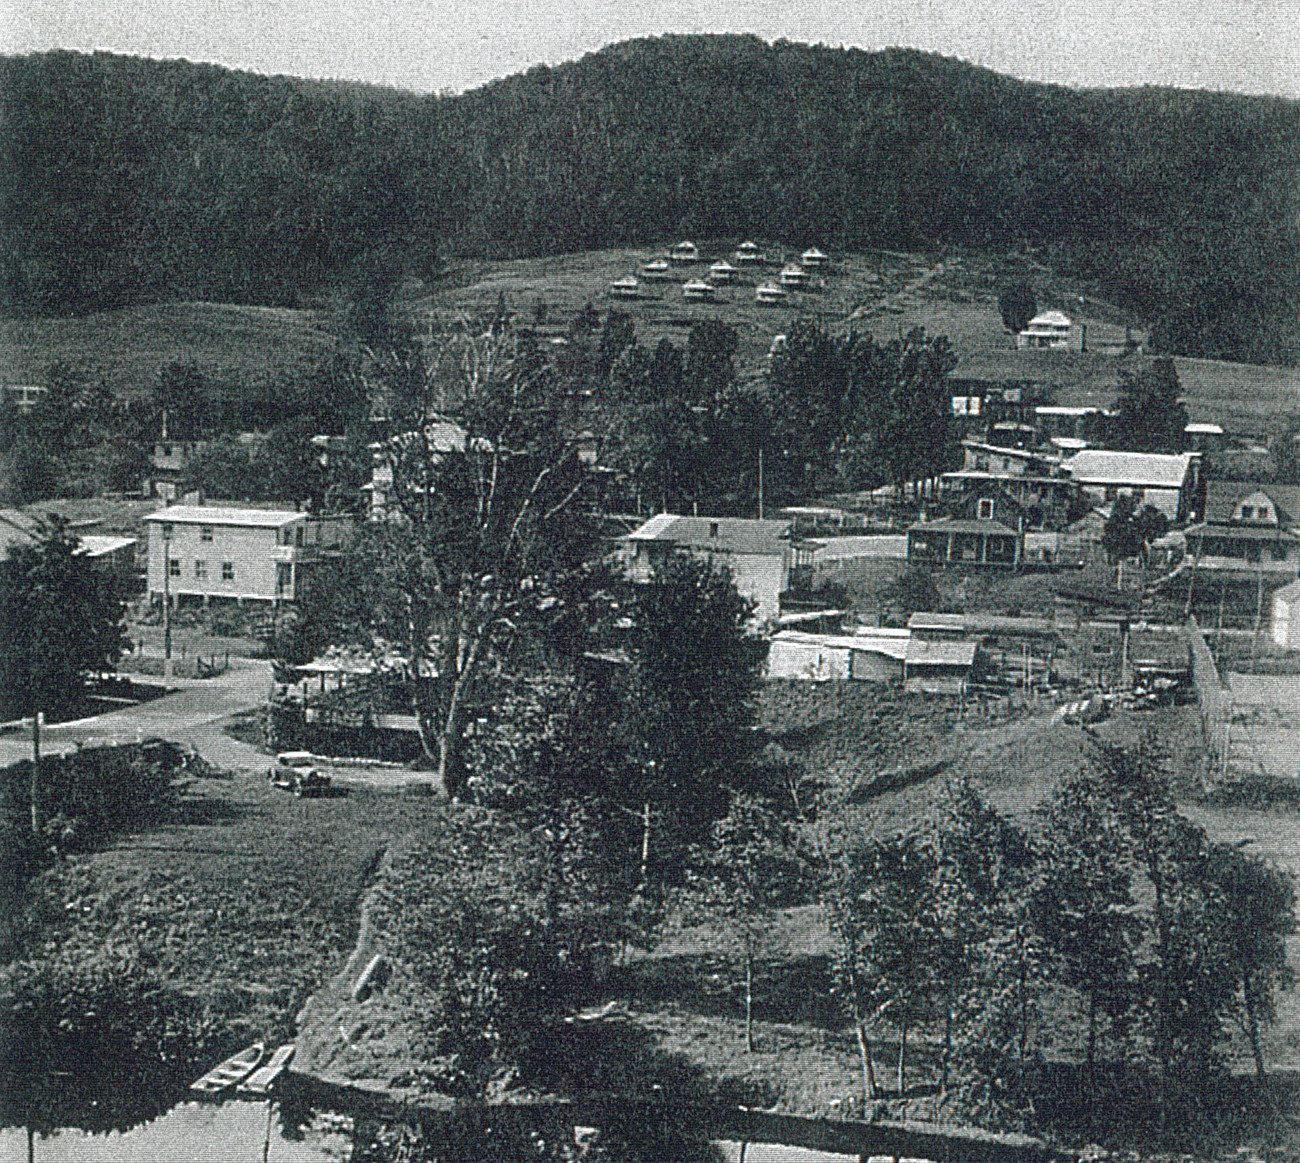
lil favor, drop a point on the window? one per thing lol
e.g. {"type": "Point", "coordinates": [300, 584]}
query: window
{"type": "Point", "coordinates": [985, 510]}
{"type": "Point", "coordinates": [227, 571]}
{"type": "Point", "coordinates": [205, 532]}
{"type": "Point", "coordinates": [167, 530]}
{"type": "Point", "coordinates": [713, 528]}
{"type": "Point", "coordinates": [173, 567]}
{"type": "Point", "coordinates": [200, 571]}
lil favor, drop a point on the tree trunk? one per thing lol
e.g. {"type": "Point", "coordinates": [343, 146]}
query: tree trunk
{"type": "Point", "coordinates": [902, 1060]}
{"type": "Point", "coordinates": [749, 998]}
{"type": "Point", "coordinates": [1090, 1060]}
{"type": "Point", "coordinates": [870, 1090]}
{"type": "Point", "coordinates": [645, 845]}
{"type": "Point", "coordinates": [1252, 1028]}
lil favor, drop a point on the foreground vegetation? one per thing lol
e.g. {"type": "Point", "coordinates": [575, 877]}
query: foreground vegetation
{"type": "Point", "coordinates": [161, 949]}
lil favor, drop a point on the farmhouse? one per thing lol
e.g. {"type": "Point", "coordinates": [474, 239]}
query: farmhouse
{"type": "Point", "coordinates": [656, 269]}
{"type": "Point", "coordinates": [1170, 483]}
{"type": "Point", "coordinates": [254, 554]}
{"type": "Point", "coordinates": [1248, 528]}
{"type": "Point", "coordinates": [1003, 460]}
{"type": "Point", "coordinates": [813, 259]}
{"type": "Point", "coordinates": [625, 288]}
{"type": "Point", "coordinates": [770, 295]}
{"type": "Point", "coordinates": [685, 252]}
{"type": "Point", "coordinates": [722, 272]}
{"type": "Point", "coordinates": [698, 289]}
{"type": "Point", "coordinates": [748, 252]}
{"type": "Point", "coordinates": [1051, 329]}
{"type": "Point", "coordinates": [758, 554]}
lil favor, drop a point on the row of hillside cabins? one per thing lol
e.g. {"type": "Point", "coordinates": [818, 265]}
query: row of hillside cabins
{"type": "Point", "coordinates": [794, 275]}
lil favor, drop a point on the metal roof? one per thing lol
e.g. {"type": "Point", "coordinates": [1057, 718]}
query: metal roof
{"type": "Point", "coordinates": [890, 645]}
{"type": "Point", "coordinates": [719, 534]}
{"type": "Point", "coordinates": [1098, 466]}
{"type": "Point", "coordinates": [929, 652]}
{"type": "Point", "coordinates": [1049, 319]}
{"type": "Point", "coordinates": [203, 515]}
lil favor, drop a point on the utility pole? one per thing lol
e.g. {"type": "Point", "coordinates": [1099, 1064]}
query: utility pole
{"type": "Point", "coordinates": [38, 721]}
{"type": "Point", "coordinates": [167, 601]}
{"type": "Point", "coordinates": [760, 482]}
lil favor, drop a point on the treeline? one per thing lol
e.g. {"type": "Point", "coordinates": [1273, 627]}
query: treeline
{"type": "Point", "coordinates": [157, 178]}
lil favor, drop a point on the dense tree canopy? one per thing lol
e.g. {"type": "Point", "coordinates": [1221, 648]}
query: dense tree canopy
{"type": "Point", "coordinates": [139, 178]}
{"type": "Point", "coordinates": [60, 620]}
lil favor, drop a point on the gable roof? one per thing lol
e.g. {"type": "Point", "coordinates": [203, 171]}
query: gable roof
{"type": "Point", "coordinates": [214, 515]}
{"type": "Point", "coordinates": [733, 534]}
{"type": "Point", "coordinates": [1096, 466]}
{"type": "Point", "coordinates": [1223, 497]}
{"type": "Point", "coordinates": [1049, 319]}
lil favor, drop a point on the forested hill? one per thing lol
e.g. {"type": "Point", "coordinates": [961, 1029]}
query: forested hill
{"type": "Point", "coordinates": [127, 177]}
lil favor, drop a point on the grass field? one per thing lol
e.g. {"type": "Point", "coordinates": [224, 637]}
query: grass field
{"type": "Point", "coordinates": [128, 347]}
{"type": "Point", "coordinates": [249, 898]}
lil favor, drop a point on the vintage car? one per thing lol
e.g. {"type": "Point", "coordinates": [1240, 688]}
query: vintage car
{"type": "Point", "coordinates": [295, 771]}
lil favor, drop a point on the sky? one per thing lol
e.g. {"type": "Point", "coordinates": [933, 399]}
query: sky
{"type": "Point", "coordinates": [1250, 46]}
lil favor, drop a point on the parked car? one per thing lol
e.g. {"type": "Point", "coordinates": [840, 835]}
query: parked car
{"type": "Point", "coordinates": [295, 771]}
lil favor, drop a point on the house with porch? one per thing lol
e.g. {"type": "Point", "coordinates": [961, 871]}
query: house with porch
{"type": "Point", "coordinates": [985, 529]}
{"type": "Point", "coordinates": [1250, 528]}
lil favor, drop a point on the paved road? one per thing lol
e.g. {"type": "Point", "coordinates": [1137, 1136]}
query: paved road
{"type": "Point", "coordinates": [196, 715]}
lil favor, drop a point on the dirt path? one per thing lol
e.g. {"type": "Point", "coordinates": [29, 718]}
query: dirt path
{"type": "Point", "coordinates": [898, 298]}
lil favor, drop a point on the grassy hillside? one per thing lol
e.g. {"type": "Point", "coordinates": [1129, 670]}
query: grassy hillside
{"type": "Point", "coordinates": [128, 347]}
{"type": "Point", "coordinates": [952, 294]}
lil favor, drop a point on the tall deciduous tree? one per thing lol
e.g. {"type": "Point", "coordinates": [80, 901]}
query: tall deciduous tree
{"type": "Point", "coordinates": [1085, 908]}
{"type": "Point", "coordinates": [1017, 305]}
{"type": "Point", "coordinates": [749, 867]}
{"type": "Point", "coordinates": [487, 520]}
{"type": "Point", "coordinates": [690, 711]}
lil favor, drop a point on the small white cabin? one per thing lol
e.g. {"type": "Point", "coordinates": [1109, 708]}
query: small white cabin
{"type": "Point", "coordinates": [748, 252]}
{"type": "Point", "coordinates": [793, 275]}
{"type": "Point", "coordinates": [698, 289]}
{"type": "Point", "coordinates": [656, 268]}
{"type": "Point", "coordinates": [685, 251]}
{"type": "Point", "coordinates": [813, 259]}
{"type": "Point", "coordinates": [722, 272]}
{"type": "Point", "coordinates": [770, 294]}
{"type": "Point", "coordinates": [627, 287]}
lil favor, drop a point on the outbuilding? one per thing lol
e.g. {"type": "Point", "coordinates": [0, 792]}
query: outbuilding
{"type": "Point", "coordinates": [770, 295]}
{"type": "Point", "coordinates": [685, 252]}
{"type": "Point", "coordinates": [748, 252]}
{"type": "Point", "coordinates": [1284, 626]}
